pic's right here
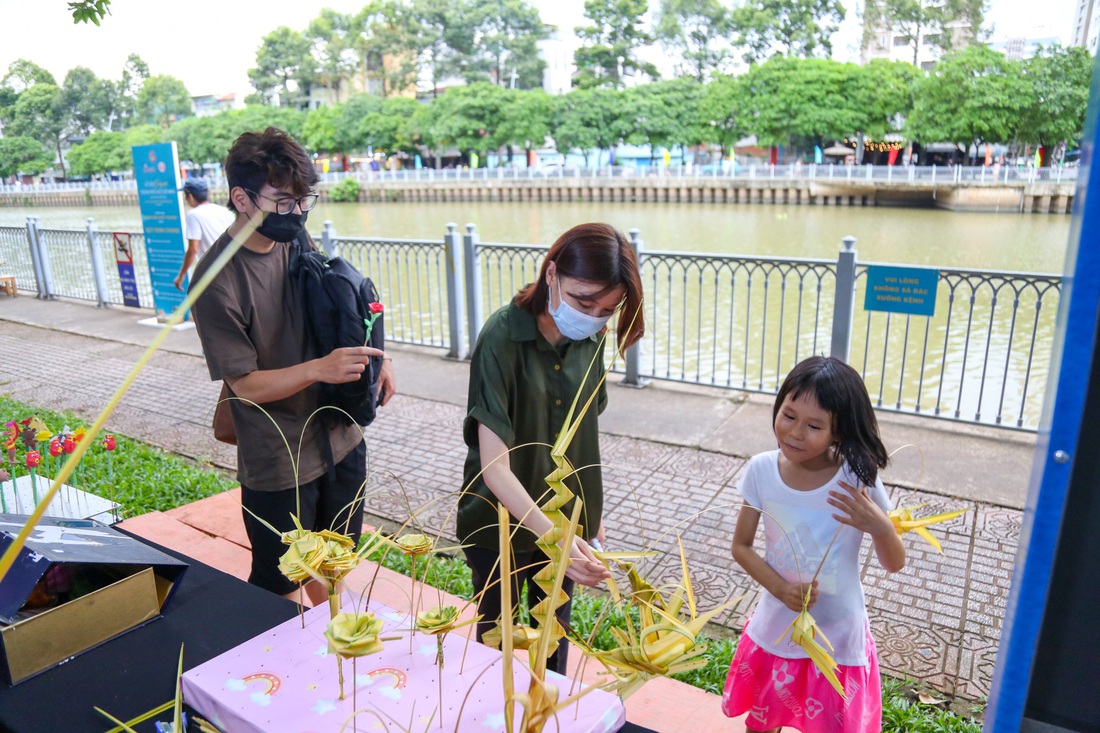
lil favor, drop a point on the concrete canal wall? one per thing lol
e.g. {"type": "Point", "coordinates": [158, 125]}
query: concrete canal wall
{"type": "Point", "coordinates": [1046, 198]}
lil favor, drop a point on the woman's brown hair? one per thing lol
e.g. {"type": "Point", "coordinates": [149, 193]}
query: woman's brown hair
{"type": "Point", "coordinates": [595, 253]}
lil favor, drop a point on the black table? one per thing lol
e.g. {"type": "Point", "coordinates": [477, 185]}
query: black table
{"type": "Point", "coordinates": [210, 613]}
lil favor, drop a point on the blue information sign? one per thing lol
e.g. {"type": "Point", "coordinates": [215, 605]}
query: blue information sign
{"type": "Point", "coordinates": [156, 170]}
{"type": "Point", "coordinates": [124, 255]}
{"type": "Point", "coordinates": [909, 290]}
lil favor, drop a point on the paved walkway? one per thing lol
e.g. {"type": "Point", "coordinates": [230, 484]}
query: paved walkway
{"type": "Point", "coordinates": [675, 452]}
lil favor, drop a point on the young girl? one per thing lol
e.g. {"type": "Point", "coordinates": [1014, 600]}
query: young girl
{"type": "Point", "coordinates": [822, 483]}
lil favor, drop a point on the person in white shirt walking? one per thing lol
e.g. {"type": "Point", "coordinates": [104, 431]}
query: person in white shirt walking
{"type": "Point", "coordinates": [205, 223]}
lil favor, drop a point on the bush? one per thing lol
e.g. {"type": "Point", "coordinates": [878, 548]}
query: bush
{"type": "Point", "coordinates": [345, 191]}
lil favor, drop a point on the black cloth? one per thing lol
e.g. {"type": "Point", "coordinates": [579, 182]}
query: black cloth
{"type": "Point", "coordinates": [210, 613]}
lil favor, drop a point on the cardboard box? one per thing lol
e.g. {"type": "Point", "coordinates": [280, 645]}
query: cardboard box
{"type": "Point", "coordinates": [286, 679]}
{"type": "Point", "coordinates": [126, 583]}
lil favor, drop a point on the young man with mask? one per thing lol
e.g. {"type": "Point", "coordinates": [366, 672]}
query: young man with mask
{"type": "Point", "coordinates": [253, 332]}
{"type": "Point", "coordinates": [532, 358]}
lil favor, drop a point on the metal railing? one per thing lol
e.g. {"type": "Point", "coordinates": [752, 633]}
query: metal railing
{"type": "Point", "coordinates": [72, 263]}
{"type": "Point", "coordinates": [921, 175]}
{"type": "Point", "coordinates": [716, 320]}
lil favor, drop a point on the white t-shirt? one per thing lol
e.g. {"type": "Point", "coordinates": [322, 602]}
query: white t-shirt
{"type": "Point", "coordinates": [206, 222]}
{"type": "Point", "coordinates": [806, 519]}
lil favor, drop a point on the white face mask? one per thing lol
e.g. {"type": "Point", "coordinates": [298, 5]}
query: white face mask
{"type": "Point", "coordinates": [572, 323]}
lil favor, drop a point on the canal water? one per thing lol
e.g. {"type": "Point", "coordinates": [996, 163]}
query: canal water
{"type": "Point", "coordinates": [928, 237]}
{"type": "Point", "coordinates": [979, 359]}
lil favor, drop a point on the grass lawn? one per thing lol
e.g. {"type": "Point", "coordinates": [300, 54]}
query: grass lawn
{"type": "Point", "coordinates": [143, 479]}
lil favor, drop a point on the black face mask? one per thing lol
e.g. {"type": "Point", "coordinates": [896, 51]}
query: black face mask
{"type": "Point", "coordinates": [283, 227]}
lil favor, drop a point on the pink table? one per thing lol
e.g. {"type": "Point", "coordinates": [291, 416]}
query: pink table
{"type": "Point", "coordinates": [285, 680]}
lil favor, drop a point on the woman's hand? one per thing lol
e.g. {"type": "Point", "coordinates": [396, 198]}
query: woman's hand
{"type": "Point", "coordinates": [860, 511]}
{"type": "Point", "coordinates": [584, 568]}
{"type": "Point", "coordinates": [792, 595]}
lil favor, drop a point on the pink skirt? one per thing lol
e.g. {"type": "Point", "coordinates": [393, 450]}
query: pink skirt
{"type": "Point", "coordinates": [775, 691]}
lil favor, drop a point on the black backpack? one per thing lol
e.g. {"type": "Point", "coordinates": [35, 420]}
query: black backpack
{"type": "Point", "coordinates": [336, 298]}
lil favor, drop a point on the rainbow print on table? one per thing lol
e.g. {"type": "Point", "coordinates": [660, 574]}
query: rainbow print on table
{"type": "Point", "coordinates": [279, 681]}
{"type": "Point", "coordinates": [262, 693]}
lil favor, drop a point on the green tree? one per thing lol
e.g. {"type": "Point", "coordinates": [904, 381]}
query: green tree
{"type": "Point", "coordinates": [125, 91]}
{"type": "Point", "coordinates": [101, 152]}
{"type": "Point", "coordinates": [1057, 80]}
{"type": "Point", "coordinates": [444, 34]}
{"type": "Point", "coordinates": [40, 114]}
{"type": "Point", "coordinates": [23, 74]}
{"type": "Point", "coordinates": [319, 129]}
{"type": "Point", "coordinates": [664, 114]}
{"type": "Point", "coordinates": [331, 36]}
{"type": "Point", "coordinates": [87, 99]}
{"type": "Point", "coordinates": [525, 119]}
{"type": "Point", "coordinates": [389, 129]}
{"type": "Point", "coordinates": [206, 139]}
{"type": "Point", "coordinates": [924, 22]}
{"type": "Point", "coordinates": [468, 117]}
{"type": "Point", "coordinates": [284, 68]}
{"type": "Point", "coordinates": [722, 113]}
{"type": "Point", "coordinates": [506, 50]}
{"type": "Point", "coordinates": [90, 11]}
{"type": "Point", "coordinates": [587, 119]}
{"type": "Point", "coordinates": [800, 101]}
{"type": "Point", "coordinates": [698, 31]}
{"type": "Point", "coordinates": [22, 155]}
{"type": "Point", "coordinates": [162, 100]}
{"type": "Point", "coordinates": [882, 92]}
{"type": "Point", "coordinates": [972, 96]}
{"type": "Point", "coordinates": [385, 42]}
{"type": "Point", "coordinates": [611, 43]}
{"type": "Point", "coordinates": [787, 27]}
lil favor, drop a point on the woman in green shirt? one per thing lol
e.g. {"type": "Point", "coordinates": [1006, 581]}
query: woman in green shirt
{"type": "Point", "coordinates": [528, 366]}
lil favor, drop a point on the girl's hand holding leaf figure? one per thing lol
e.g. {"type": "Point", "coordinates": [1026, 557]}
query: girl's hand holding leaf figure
{"type": "Point", "coordinates": [793, 594]}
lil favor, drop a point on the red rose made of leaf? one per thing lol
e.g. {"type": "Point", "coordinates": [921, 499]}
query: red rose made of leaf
{"type": "Point", "coordinates": [34, 458]}
{"type": "Point", "coordinates": [376, 307]}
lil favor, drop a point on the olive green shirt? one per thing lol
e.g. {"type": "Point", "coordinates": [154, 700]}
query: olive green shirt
{"type": "Point", "coordinates": [521, 388]}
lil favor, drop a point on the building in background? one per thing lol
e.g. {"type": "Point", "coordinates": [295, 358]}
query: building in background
{"type": "Point", "coordinates": [1019, 49]}
{"type": "Point", "coordinates": [557, 49]}
{"type": "Point", "coordinates": [885, 41]}
{"type": "Point", "coordinates": [1086, 25]}
{"type": "Point", "coordinates": [206, 105]}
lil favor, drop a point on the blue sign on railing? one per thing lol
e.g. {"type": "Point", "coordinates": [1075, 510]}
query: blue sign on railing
{"type": "Point", "coordinates": [909, 290]}
{"type": "Point", "coordinates": [124, 255]}
{"type": "Point", "coordinates": [156, 169]}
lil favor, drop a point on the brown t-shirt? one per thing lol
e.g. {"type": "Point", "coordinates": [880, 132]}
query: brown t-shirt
{"type": "Point", "coordinates": [250, 319]}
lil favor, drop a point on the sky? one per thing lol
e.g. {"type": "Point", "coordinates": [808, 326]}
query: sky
{"type": "Point", "coordinates": [211, 45]}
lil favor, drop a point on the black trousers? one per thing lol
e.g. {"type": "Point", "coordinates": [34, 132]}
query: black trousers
{"type": "Point", "coordinates": [484, 574]}
{"type": "Point", "coordinates": [333, 500]}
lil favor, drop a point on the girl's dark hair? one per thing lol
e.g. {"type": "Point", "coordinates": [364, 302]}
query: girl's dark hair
{"type": "Point", "coordinates": [840, 391]}
{"type": "Point", "coordinates": [271, 156]}
{"type": "Point", "coordinates": [596, 253]}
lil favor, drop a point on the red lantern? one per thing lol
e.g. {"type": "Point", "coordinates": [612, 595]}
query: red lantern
{"type": "Point", "coordinates": [34, 459]}
{"type": "Point", "coordinates": [109, 442]}
{"type": "Point", "coordinates": [55, 447]}
{"type": "Point", "coordinates": [69, 445]}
